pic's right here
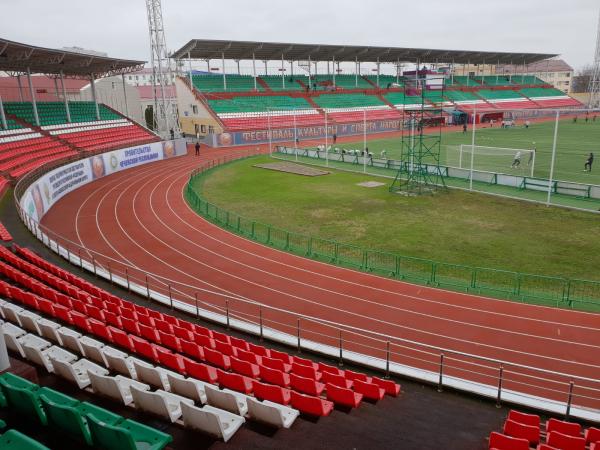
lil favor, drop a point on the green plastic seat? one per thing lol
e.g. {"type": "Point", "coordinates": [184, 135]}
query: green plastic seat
{"type": "Point", "coordinates": [13, 440]}
{"type": "Point", "coordinates": [58, 397]}
{"type": "Point", "coordinates": [17, 381]}
{"type": "Point", "coordinates": [102, 414]}
{"type": "Point", "coordinates": [129, 435]}
{"type": "Point", "coordinates": [24, 401]}
{"type": "Point", "coordinates": [66, 418]}
{"type": "Point", "coordinates": [2, 424]}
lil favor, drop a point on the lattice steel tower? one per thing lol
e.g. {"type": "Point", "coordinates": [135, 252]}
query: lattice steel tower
{"type": "Point", "coordinates": [165, 112]}
{"type": "Point", "coordinates": [594, 86]}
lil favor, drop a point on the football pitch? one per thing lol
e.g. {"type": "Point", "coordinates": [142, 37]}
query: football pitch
{"type": "Point", "coordinates": [575, 142]}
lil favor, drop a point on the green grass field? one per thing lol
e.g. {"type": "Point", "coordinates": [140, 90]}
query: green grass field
{"type": "Point", "coordinates": [575, 142]}
{"type": "Point", "coordinates": [454, 227]}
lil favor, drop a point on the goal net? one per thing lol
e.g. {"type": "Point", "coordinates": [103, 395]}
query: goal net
{"type": "Point", "coordinates": [518, 161]}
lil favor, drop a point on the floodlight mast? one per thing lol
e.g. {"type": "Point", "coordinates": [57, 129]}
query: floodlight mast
{"type": "Point", "coordinates": [165, 115]}
{"type": "Point", "coordinates": [594, 87]}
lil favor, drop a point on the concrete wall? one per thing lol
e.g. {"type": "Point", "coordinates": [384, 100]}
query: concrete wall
{"type": "Point", "coordinates": [194, 117]}
{"type": "Point", "coordinates": [110, 92]}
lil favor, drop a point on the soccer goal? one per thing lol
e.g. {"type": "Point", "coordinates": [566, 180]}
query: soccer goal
{"type": "Point", "coordinates": [492, 159]}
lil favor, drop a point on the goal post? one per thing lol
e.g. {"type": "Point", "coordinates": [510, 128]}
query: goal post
{"type": "Point", "coordinates": [492, 159]}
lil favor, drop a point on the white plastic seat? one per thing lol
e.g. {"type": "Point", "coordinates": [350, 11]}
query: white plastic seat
{"type": "Point", "coordinates": [187, 387]}
{"type": "Point", "coordinates": [211, 420]}
{"type": "Point", "coordinates": [92, 349]}
{"type": "Point", "coordinates": [77, 372]}
{"type": "Point", "coordinates": [226, 399]}
{"type": "Point", "coordinates": [271, 413]}
{"type": "Point", "coordinates": [11, 334]}
{"type": "Point", "coordinates": [117, 388]}
{"type": "Point", "coordinates": [161, 403]}
{"type": "Point", "coordinates": [28, 320]}
{"type": "Point", "coordinates": [10, 312]}
{"type": "Point", "coordinates": [43, 356]}
{"type": "Point", "coordinates": [70, 339]}
{"type": "Point", "coordinates": [121, 364]}
{"type": "Point", "coordinates": [154, 376]}
{"type": "Point", "coordinates": [49, 329]}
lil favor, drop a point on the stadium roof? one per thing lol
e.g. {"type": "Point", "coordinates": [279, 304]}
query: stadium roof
{"type": "Point", "coordinates": [214, 49]}
{"type": "Point", "coordinates": [17, 57]}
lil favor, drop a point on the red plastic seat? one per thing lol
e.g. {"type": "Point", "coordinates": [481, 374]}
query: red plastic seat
{"type": "Point", "coordinates": [166, 317]}
{"type": "Point", "coordinates": [234, 381]}
{"type": "Point", "coordinates": [548, 447]}
{"type": "Point", "coordinates": [564, 441]}
{"type": "Point", "coordinates": [371, 391]}
{"type": "Point", "coordinates": [595, 446]}
{"type": "Point", "coordinates": [81, 321]}
{"type": "Point", "coordinates": [271, 392]}
{"type": "Point", "coordinates": [113, 319]}
{"type": "Point", "coordinates": [350, 375]}
{"type": "Point", "coordinates": [592, 435]}
{"type": "Point", "coordinates": [225, 348]}
{"type": "Point", "coordinates": [526, 419]}
{"type": "Point", "coordinates": [63, 313]}
{"type": "Point", "coordinates": [500, 441]}
{"type": "Point", "coordinates": [306, 385]}
{"type": "Point", "coordinates": [305, 362]}
{"type": "Point", "coordinates": [204, 341]}
{"type": "Point", "coordinates": [202, 331]}
{"type": "Point", "coordinates": [338, 380]}
{"type": "Point", "coordinates": [520, 430]}
{"type": "Point", "coordinates": [568, 428]}
{"type": "Point", "coordinates": [306, 371]}
{"type": "Point", "coordinates": [164, 326]}
{"type": "Point", "coordinates": [101, 330]}
{"type": "Point", "coordinates": [322, 367]}
{"type": "Point", "coordinates": [249, 356]}
{"type": "Point", "coordinates": [149, 333]}
{"type": "Point", "coordinates": [171, 360]}
{"type": "Point", "coordinates": [217, 358]}
{"type": "Point", "coordinates": [239, 343]}
{"type": "Point", "coordinates": [182, 333]}
{"type": "Point", "coordinates": [343, 396]}
{"type": "Point", "coordinates": [130, 325]}
{"type": "Point", "coordinates": [220, 337]}
{"type": "Point", "coordinates": [282, 356]}
{"type": "Point", "coordinates": [389, 386]}
{"type": "Point", "coordinates": [170, 341]}
{"type": "Point", "coordinates": [313, 406]}
{"type": "Point", "coordinates": [121, 338]}
{"type": "Point", "coordinates": [192, 349]}
{"type": "Point", "coordinates": [144, 348]}
{"type": "Point", "coordinates": [274, 376]}
{"type": "Point", "coordinates": [46, 306]}
{"type": "Point", "coordinates": [259, 350]}
{"type": "Point", "coordinates": [200, 371]}
{"type": "Point", "coordinates": [244, 367]}
{"type": "Point", "coordinates": [275, 364]}
{"type": "Point", "coordinates": [146, 320]}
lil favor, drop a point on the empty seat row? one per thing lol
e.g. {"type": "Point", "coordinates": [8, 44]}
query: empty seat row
{"type": "Point", "coordinates": [83, 421]}
{"type": "Point", "coordinates": [157, 339]}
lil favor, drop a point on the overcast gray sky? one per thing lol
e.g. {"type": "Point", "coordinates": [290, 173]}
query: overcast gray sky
{"type": "Point", "coordinates": [119, 27]}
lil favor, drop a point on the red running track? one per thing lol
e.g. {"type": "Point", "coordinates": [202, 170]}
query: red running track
{"type": "Point", "coordinates": [140, 218]}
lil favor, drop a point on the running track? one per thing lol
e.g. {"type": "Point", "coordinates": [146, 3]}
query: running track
{"type": "Point", "coordinates": [139, 217]}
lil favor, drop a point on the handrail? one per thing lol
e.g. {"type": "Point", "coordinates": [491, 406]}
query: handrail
{"type": "Point", "coordinates": [382, 351]}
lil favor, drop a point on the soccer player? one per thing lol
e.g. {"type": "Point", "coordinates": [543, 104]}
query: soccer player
{"type": "Point", "coordinates": [588, 163]}
{"type": "Point", "coordinates": [517, 161]}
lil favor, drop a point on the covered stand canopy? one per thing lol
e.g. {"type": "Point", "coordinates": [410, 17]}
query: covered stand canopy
{"type": "Point", "coordinates": [18, 59]}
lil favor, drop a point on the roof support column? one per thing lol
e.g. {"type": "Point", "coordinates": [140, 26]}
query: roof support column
{"type": "Point", "coordinates": [64, 94]}
{"type": "Point", "coordinates": [2, 116]}
{"type": "Point", "coordinates": [20, 88]}
{"type": "Point", "coordinates": [93, 80]}
{"type": "Point", "coordinates": [334, 71]}
{"type": "Point", "coordinates": [254, 71]}
{"type": "Point", "coordinates": [282, 72]}
{"type": "Point", "coordinates": [238, 65]}
{"type": "Point", "coordinates": [292, 69]}
{"type": "Point", "coordinates": [498, 65]}
{"type": "Point", "coordinates": [510, 74]}
{"type": "Point", "coordinates": [309, 74]}
{"type": "Point", "coordinates": [398, 72]}
{"type": "Point", "coordinates": [356, 70]}
{"type": "Point", "coordinates": [452, 73]}
{"type": "Point", "coordinates": [35, 111]}
{"type": "Point", "coordinates": [189, 72]}
{"type": "Point", "coordinates": [125, 90]}
{"type": "Point", "coordinates": [55, 87]}
{"type": "Point", "coordinates": [416, 74]}
{"type": "Point", "coordinates": [378, 66]}
{"type": "Point", "coordinates": [223, 66]}
{"type": "Point", "coordinates": [266, 69]}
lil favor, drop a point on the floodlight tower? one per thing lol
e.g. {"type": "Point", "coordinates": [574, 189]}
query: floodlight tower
{"type": "Point", "coordinates": [165, 114]}
{"type": "Point", "coordinates": [594, 86]}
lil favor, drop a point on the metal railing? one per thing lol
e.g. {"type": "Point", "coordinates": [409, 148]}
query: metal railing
{"type": "Point", "coordinates": [504, 381]}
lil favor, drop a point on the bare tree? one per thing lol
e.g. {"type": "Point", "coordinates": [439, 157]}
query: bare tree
{"type": "Point", "coordinates": [581, 79]}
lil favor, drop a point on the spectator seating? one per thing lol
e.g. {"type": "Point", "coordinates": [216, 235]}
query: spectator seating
{"type": "Point", "coordinates": [234, 83]}
{"type": "Point", "coordinates": [462, 80]}
{"type": "Point", "coordinates": [399, 99]}
{"type": "Point", "coordinates": [385, 80]}
{"type": "Point", "coordinates": [290, 83]}
{"type": "Point", "coordinates": [523, 430]}
{"type": "Point", "coordinates": [333, 102]}
{"type": "Point", "coordinates": [15, 440]}
{"type": "Point", "coordinates": [4, 234]}
{"type": "Point", "coordinates": [78, 303]}
{"type": "Point", "coordinates": [350, 81]}
{"type": "Point", "coordinates": [11, 124]}
{"type": "Point", "coordinates": [100, 137]}
{"type": "Point", "coordinates": [495, 80]}
{"type": "Point", "coordinates": [549, 97]}
{"type": "Point", "coordinates": [506, 99]}
{"type": "Point", "coordinates": [526, 80]}
{"type": "Point", "coordinates": [52, 113]}
{"type": "Point", "coordinates": [66, 414]}
{"type": "Point", "coordinates": [274, 103]}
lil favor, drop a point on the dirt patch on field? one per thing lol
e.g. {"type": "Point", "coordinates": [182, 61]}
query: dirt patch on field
{"type": "Point", "coordinates": [297, 169]}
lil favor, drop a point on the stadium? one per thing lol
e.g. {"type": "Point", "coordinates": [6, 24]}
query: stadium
{"type": "Point", "coordinates": [261, 244]}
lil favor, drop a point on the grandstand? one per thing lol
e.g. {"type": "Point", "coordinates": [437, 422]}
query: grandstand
{"type": "Point", "coordinates": [234, 102]}
{"type": "Point", "coordinates": [34, 133]}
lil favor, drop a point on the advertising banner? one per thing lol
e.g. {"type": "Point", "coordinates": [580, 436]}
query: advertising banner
{"type": "Point", "coordinates": [52, 186]}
